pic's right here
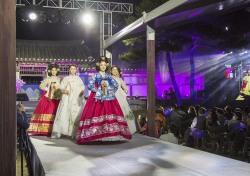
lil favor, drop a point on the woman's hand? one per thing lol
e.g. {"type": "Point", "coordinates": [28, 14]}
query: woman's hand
{"type": "Point", "coordinates": [21, 107]}
{"type": "Point", "coordinates": [104, 85]}
{"type": "Point", "coordinates": [104, 88]}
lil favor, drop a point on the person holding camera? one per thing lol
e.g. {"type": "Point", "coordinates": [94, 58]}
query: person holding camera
{"type": "Point", "coordinates": [23, 121]}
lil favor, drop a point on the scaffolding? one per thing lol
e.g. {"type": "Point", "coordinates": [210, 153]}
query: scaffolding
{"type": "Point", "coordinates": [105, 10]}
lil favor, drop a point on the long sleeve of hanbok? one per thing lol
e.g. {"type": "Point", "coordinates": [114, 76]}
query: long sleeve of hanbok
{"type": "Point", "coordinates": [114, 83]}
{"type": "Point", "coordinates": [63, 84]}
{"type": "Point", "coordinates": [82, 84]}
{"type": "Point", "coordinates": [124, 86]}
{"type": "Point", "coordinates": [91, 84]}
{"type": "Point", "coordinates": [45, 85]}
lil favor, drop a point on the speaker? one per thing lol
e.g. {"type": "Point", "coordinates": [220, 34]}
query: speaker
{"type": "Point", "coordinates": [22, 97]}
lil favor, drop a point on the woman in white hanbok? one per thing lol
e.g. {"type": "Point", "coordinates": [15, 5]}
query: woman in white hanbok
{"type": "Point", "coordinates": [121, 96]}
{"type": "Point", "coordinates": [71, 106]}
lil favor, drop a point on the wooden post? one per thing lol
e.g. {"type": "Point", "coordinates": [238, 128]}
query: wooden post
{"type": "Point", "coordinates": [7, 92]}
{"type": "Point", "coordinates": [151, 79]}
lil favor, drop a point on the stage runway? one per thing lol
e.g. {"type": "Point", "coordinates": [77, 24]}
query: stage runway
{"type": "Point", "coordinates": [142, 156]}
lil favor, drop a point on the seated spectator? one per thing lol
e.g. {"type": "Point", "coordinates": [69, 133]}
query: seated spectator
{"type": "Point", "coordinates": [23, 121]}
{"type": "Point", "coordinates": [142, 125]}
{"type": "Point", "coordinates": [228, 113]}
{"type": "Point", "coordinates": [188, 119]}
{"type": "Point", "coordinates": [160, 124]}
{"type": "Point", "coordinates": [221, 117]}
{"type": "Point", "coordinates": [237, 131]}
{"type": "Point", "coordinates": [198, 122]}
{"type": "Point", "coordinates": [212, 119]}
{"type": "Point", "coordinates": [237, 118]}
{"type": "Point", "coordinates": [169, 137]}
{"type": "Point", "coordinates": [160, 120]}
{"type": "Point", "coordinates": [175, 118]}
{"type": "Point", "coordinates": [214, 128]}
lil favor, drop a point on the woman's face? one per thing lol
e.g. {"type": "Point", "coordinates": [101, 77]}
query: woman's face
{"type": "Point", "coordinates": [72, 70]}
{"type": "Point", "coordinates": [114, 71]}
{"type": "Point", "coordinates": [53, 71]}
{"type": "Point", "coordinates": [103, 66]}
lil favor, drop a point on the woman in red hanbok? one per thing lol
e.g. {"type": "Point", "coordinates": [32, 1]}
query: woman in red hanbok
{"type": "Point", "coordinates": [43, 117]}
{"type": "Point", "coordinates": [102, 118]}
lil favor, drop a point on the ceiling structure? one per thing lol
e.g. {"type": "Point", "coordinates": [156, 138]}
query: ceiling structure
{"type": "Point", "coordinates": [167, 17]}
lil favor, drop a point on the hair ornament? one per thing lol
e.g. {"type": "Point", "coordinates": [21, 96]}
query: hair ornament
{"type": "Point", "coordinates": [103, 58]}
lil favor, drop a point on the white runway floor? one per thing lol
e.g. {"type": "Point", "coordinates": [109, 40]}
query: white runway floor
{"type": "Point", "coordinates": [142, 156]}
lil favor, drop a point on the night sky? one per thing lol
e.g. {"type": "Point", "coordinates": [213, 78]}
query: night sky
{"type": "Point", "coordinates": [60, 31]}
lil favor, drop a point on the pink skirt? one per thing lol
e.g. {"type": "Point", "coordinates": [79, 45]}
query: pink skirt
{"type": "Point", "coordinates": [102, 121]}
{"type": "Point", "coordinates": [43, 117]}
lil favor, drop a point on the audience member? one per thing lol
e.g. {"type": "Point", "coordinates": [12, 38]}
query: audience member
{"type": "Point", "coordinates": [169, 137]}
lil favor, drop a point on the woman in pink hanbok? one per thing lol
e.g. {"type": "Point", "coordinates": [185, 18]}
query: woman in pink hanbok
{"type": "Point", "coordinates": [102, 118]}
{"type": "Point", "coordinates": [43, 117]}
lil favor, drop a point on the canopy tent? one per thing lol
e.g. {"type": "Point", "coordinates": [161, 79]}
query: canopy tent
{"type": "Point", "coordinates": [171, 14]}
{"type": "Point", "coordinates": [174, 13]}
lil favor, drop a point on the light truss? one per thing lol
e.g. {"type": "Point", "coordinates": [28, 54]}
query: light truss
{"type": "Point", "coordinates": [101, 6]}
{"type": "Point", "coordinates": [105, 10]}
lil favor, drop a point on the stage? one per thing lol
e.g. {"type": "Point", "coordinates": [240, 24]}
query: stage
{"type": "Point", "coordinates": [142, 156]}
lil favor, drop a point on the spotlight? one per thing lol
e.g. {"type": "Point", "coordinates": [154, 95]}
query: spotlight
{"type": "Point", "coordinates": [226, 28]}
{"type": "Point", "coordinates": [84, 17]}
{"type": "Point", "coordinates": [32, 16]}
{"type": "Point", "coordinates": [87, 18]}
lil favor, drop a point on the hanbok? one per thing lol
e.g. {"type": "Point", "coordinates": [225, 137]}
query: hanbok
{"type": "Point", "coordinates": [102, 118]}
{"type": "Point", "coordinates": [122, 99]}
{"type": "Point", "coordinates": [70, 108]}
{"type": "Point", "coordinates": [43, 117]}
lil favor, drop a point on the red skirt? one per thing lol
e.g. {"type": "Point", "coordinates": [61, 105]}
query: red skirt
{"type": "Point", "coordinates": [102, 120]}
{"type": "Point", "coordinates": [43, 117]}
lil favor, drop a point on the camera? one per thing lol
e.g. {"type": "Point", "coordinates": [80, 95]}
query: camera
{"type": "Point", "coordinates": [22, 97]}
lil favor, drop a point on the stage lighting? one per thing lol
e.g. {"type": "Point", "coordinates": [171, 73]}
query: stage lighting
{"type": "Point", "coordinates": [87, 18]}
{"type": "Point", "coordinates": [32, 16]}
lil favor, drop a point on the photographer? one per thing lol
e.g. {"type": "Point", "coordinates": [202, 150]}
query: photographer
{"type": "Point", "coordinates": [22, 118]}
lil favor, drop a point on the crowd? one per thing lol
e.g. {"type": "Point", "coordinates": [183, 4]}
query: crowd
{"type": "Point", "coordinates": [219, 129]}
